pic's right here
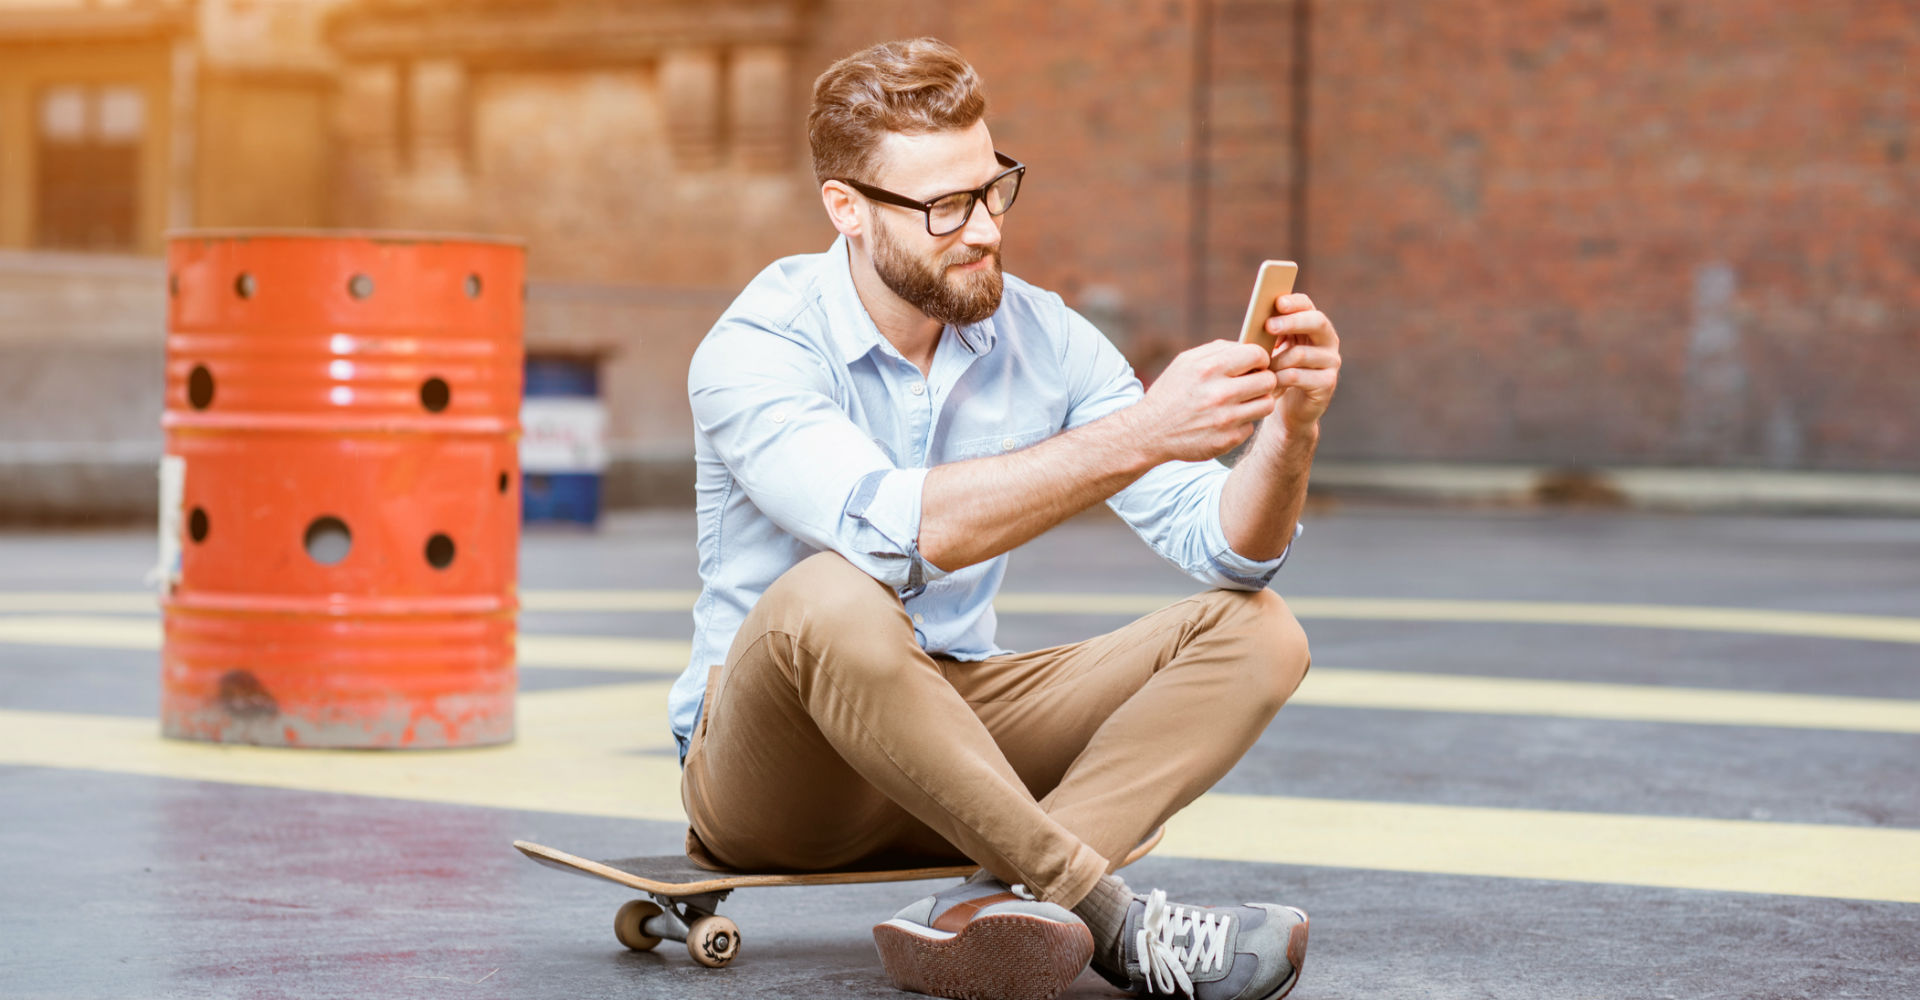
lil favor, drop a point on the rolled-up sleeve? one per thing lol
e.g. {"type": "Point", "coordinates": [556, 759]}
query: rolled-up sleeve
{"type": "Point", "coordinates": [768, 407]}
{"type": "Point", "coordinates": [1175, 507]}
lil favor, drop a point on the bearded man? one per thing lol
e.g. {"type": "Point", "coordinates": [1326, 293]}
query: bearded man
{"type": "Point", "coordinates": [877, 426]}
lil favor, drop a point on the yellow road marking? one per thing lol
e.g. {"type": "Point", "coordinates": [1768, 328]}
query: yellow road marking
{"type": "Point", "coordinates": [608, 600]}
{"type": "Point", "coordinates": [577, 754]}
{"type": "Point", "coordinates": [578, 751]}
{"type": "Point", "coordinates": [1761, 621]}
{"type": "Point", "coordinates": [1325, 686]}
{"type": "Point", "coordinates": [82, 633]}
{"type": "Point", "coordinates": [597, 652]}
{"type": "Point", "coordinates": [1793, 859]}
{"type": "Point", "coordinates": [579, 652]}
{"type": "Point", "coordinates": [80, 602]}
{"type": "Point", "coordinates": [1386, 689]}
{"type": "Point", "coordinates": [1879, 628]}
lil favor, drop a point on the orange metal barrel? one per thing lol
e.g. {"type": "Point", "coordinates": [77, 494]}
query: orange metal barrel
{"type": "Point", "coordinates": [341, 492]}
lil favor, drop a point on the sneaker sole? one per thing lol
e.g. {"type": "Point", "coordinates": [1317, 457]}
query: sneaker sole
{"type": "Point", "coordinates": [1296, 955]}
{"type": "Point", "coordinates": [999, 957]}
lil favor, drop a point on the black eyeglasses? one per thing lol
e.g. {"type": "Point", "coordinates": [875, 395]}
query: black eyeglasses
{"type": "Point", "coordinates": [949, 213]}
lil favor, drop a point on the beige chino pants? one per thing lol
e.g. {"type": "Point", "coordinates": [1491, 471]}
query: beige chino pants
{"type": "Point", "coordinates": [830, 738]}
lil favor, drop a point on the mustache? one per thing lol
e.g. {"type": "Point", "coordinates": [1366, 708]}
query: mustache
{"type": "Point", "coordinates": [969, 255]}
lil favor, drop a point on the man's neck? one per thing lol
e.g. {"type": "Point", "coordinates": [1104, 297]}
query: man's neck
{"type": "Point", "coordinates": [910, 331]}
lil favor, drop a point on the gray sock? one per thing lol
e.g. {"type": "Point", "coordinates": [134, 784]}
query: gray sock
{"type": "Point", "coordinates": [1105, 913]}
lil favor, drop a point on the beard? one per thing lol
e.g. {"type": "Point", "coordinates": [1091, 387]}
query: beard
{"type": "Point", "coordinates": [959, 300]}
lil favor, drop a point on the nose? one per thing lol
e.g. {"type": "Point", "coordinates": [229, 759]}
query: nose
{"type": "Point", "coordinates": [982, 228]}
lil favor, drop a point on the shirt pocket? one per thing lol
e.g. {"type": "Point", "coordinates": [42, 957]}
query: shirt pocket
{"type": "Point", "coordinates": [1000, 444]}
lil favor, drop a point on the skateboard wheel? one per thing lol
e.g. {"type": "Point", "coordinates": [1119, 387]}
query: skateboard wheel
{"type": "Point", "coordinates": [628, 924]}
{"type": "Point", "coordinates": [713, 941]}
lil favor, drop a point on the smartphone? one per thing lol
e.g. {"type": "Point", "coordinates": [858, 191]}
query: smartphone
{"type": "Point", "coordinates": [1274, 280]}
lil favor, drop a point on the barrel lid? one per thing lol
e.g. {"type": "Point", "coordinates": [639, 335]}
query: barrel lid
{"type": "Point", "coordinates": [371, 235]}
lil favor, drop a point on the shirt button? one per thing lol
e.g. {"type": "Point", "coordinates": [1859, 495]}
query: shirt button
{"type": "Point", "coordinates": [1006, 444]}
{"type": "Point", "coordinates": [778, 416]}
{"type": "Point", "coordinates": [919, 619]}
{"type": "Point", "coordinates": [919, 389]}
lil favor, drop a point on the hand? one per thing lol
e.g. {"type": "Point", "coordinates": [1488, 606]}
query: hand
{"type": "Point", "coordinates": [1306, 361]}
{"type": "Point", "coordinates": [1205, 402]}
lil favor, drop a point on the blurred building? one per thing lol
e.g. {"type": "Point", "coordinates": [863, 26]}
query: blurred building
{"type": "Point", "coordinates": [1555, 232]}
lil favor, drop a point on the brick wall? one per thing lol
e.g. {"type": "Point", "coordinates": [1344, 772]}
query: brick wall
{"type": "Point", "coordinates": [1553, 231]}
{"type": "Point", "coordinates": [1581, 232]}
{"type": "Point", "coordinates": [1566, 232]}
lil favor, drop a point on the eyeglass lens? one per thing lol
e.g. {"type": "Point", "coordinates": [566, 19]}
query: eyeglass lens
{"type": "Point", "coordinates": [950, 213]}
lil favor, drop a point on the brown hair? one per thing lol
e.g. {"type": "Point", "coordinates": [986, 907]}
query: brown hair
{"type": "Point", "coordinates": [916, 86]}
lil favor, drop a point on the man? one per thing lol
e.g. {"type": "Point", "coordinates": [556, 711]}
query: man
{"type": "Point", "coordinates": [876, 428]}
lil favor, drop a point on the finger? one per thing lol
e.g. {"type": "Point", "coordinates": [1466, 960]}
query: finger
{"type": "Point", "coordinates": [1293, 302]}
{"type": "Point", "coordinates": [1239, 359]}
{"type": "Point", "coordinates": [1250, 411]}
{"type": "Point", "coordinates": [1311, 321]}
{"type": "Point", "coordinates": [1312, 326]}
{"type": "Point", "coordinates": [1309, 379]}
{"type": "Point", "coordinates": [1305, 356]}
{"type": "Point", "coordinates": [1253, 385]}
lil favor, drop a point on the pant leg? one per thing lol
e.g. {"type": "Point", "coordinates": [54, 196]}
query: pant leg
{"type": "Point", "coordinates": [828, 721]}
{"type": "Point", "coordinates": [1121, 731]}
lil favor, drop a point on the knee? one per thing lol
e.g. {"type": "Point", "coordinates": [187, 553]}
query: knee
{"type": "Point", "coordinates": [1276, 655]}
{"type": "Point", "coordinates": [818, 587]}
{"type": "Point", "coordinates": [829, 604]}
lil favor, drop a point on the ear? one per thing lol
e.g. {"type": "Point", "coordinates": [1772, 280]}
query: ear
{"type": "Point", "coordinates": [843, 209]}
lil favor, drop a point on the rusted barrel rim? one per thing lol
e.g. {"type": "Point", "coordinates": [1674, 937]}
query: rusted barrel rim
{"type": "Point", "coordinates": [369, 235]}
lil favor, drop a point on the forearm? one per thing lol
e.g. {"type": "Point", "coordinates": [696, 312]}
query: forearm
{"type": "Point", "coordinates": [975, 510]}
{"type": "Point", "coordinates": [1264, 493]}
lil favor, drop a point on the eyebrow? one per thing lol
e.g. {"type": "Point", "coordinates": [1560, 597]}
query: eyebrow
{"type": "Point", "coordinates": [998, 169]}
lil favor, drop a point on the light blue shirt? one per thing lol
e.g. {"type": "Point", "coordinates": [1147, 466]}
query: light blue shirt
{"type": "Point", "coordinates": [812, 433]}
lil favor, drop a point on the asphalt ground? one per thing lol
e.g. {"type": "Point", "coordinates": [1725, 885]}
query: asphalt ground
{"type": "Point", "coordinates": [1541, 754]}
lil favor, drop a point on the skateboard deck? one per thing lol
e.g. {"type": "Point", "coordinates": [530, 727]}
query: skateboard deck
{"type": "Point", "coordinates": [684, 896]}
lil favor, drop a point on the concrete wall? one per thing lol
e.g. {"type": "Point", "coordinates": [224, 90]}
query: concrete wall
{"type": "Point", "coordinates": [81, 381]}
{"type": "Point", "coordinates": [80, 411]}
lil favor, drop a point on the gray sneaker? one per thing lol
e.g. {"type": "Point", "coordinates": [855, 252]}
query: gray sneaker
{"type": "Point", "coordinates": [981, 940]}
{"type": "Point", "coordinates": [1249, 952]}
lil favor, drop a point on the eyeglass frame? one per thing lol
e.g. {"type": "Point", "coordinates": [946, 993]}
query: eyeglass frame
{"type": "Point", "coordinates": [975, 197]}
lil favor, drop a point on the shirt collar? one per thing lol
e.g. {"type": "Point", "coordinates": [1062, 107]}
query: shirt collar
{"type": "Point", "coordinates": [852, 329]}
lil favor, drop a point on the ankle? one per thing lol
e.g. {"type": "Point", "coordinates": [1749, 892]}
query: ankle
{"type": "Point", "coordinates": [1104, 911]}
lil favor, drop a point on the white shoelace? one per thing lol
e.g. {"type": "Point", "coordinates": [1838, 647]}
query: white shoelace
{"type": "Point", "coordinates": [1167, 966]}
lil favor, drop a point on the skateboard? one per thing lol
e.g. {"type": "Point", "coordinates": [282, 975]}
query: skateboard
{"type": "Point", "coordinates": [684, 898]}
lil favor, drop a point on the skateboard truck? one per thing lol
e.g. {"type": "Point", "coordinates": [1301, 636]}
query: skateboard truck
{"type": "Point", "coordinates": [712, 940]}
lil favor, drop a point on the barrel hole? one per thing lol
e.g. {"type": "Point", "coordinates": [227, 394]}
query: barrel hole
{"type": "Point", "coordinates": [200, 387]}
{"type": "Point", "coordinates": [439, 552]}
{"type": "Point", "coordinates": [473, 286]}
{"type": "Point", "coordinates": [328, 540]}
{"type": "Point", "coordinates": [504, 480]}
{"type": "Point", "coordinates": [435, 395]}
{"type": "Point", "coordinates": [360, 286]}
{"type": "Point", "coordinates": [243, 285]}
{"type": "Point", "coordinates": [197, 524]}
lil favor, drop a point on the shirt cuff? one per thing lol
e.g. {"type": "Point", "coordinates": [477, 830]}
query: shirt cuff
{"type": "Point", "coordinates": [889, 502]}
{"type": "Point", "coordinates": [1238, 568]}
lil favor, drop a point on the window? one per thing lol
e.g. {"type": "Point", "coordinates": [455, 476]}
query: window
{"type": "Point", "coordinates": [87, 182]}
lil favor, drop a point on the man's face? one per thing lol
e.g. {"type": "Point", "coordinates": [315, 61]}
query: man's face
{"type": "Point", "coordinates": [953, 278]}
